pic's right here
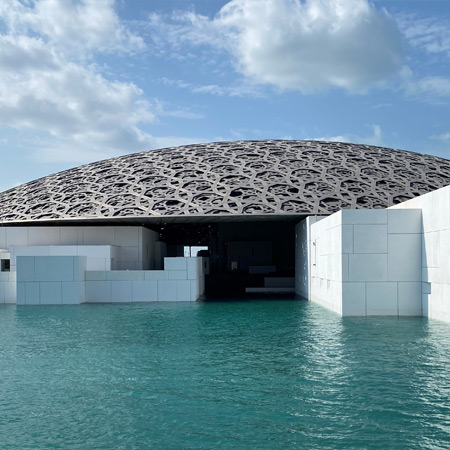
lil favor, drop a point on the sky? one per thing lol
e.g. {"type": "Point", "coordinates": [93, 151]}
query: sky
{"type": "Point", "coordinates": [84, 80]}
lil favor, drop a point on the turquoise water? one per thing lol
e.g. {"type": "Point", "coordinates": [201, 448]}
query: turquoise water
{"type": "Point", "coordinates": [239, 375]}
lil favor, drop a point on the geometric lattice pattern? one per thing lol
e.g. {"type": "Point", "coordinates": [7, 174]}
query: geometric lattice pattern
{"type": "Point", "coordinates": [230, 178]}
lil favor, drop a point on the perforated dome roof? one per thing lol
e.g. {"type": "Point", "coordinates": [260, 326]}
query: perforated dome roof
{"type": "Point", "coordinates": [233, 179]}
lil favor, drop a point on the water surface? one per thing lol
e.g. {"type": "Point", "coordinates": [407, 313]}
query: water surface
{"type": "Point", "coordinates": [226, 375]}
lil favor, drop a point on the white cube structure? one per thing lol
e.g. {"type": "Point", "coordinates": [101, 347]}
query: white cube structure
{"type": "Point", "coordinates": [362, 262]}
{"type": "Point", "coordinates": [50, 280]}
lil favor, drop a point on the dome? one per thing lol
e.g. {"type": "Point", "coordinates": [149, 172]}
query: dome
{"type": "Point", "coordinates": [276, 178]}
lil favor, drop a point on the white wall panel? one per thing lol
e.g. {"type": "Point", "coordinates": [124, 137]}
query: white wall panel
{"type": "Point", "coordinates": [348, 256]}
{"type": "Point", "coordinates": [370, 239]}
{"type": "Point", "coordinates": [381, 299]}
{"type": "Point", "coordinates": [435, 208]}
{"type": "Point", "coordinates": [368, 267]}
{"type": "Point", "coordinates": [121, 291]}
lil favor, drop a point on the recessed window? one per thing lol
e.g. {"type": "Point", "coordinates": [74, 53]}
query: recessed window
{"type": "Point", "coordinates": [6, 265]}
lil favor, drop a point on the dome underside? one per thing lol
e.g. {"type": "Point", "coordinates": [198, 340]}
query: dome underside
{"type": "Point", "coordinates": [230, 179]}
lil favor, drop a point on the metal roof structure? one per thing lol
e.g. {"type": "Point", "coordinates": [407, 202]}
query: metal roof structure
{"type": "Point", "coordinates": [265, 179]}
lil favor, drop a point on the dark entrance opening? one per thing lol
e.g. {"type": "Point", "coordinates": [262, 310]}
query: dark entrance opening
{"type": "Point", "coordinates": [245, 258]}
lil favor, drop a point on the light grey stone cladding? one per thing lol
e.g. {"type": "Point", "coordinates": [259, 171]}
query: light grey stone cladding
{"type": "Point", "coordinates": [365, 263]}
{"type": "Point", "coordinates": [435, 262]}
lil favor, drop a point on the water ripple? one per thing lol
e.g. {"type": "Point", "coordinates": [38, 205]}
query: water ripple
{"type": "Point", "coordinates": [254, 375]}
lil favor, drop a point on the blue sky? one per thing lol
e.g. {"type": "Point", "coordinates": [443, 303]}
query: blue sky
{"type": "Point", "coordinates": [91, 79]}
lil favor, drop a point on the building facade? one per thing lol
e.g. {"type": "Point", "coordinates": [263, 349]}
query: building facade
{"type": "Point", "coordinates": [360, 229]}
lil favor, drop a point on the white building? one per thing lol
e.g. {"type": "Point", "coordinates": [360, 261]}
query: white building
{"type": "Point", "coordinates": [361, 230]}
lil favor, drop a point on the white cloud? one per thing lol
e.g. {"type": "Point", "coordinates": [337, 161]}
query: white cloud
{"type": "Point", "coordinates": [430, 34]}
{"type": "Point", "coordinates": [50, 84]}
{"type": "Point", "coordinates": [238, 90]}
{"type": "Point", "coordinates": [71, 25]}
{"type": "Point", "coordinates": [376, 138]}
{"type": "Point", "coordinates": [163, 109]}
{"type": "Point", "coordinates": [432, 89]}
{"type": "Point", "coordinates": [444, 137]}
{"type": "Point", "coordinates": [306, 45]}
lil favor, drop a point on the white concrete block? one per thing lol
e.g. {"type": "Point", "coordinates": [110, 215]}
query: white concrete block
{"type": "Point", "coordinates": [425, 311]}
{"type": "Point", "coordinates": [114, 251]}
{"type": "Point", "coordinates": [183, 290]}
{"type": "Point", "coordinates": [16, 236]}
{"type": "Point", "coordinates": [32, 293]}
{"type": "Point", "coordinates": [427, 212]}
{"type": "Point", "coordinates": [98, 291]}
{"type": "Point", "coordinates": [4, 276]}
{"type": "Point", "coordinates": [43, 236]}
{"type": "Point", "coordinates": [364, 216]}
{"type": "Point", "coordinates": [410, 299]}
{"type": "Point", "coordinates": [98, 235]}
{"type": "Point", "coordinates": [414, 203]}
{"type": "Point", "coordinates": [53, 268]}
{"type": "Point", "coordinates": [156, 275]}
{"type": "Point", "coordinates": [404, 221]}
{"type": "Point", "coordinates": [10, 294]}
{"type": "Point", "coordinates": [125, 275]}
{"type": "Point", "coordinates": [129, 254]}
{"type": "Point", "coordinates": [94, 251]}
{"type": "Point", "coordinates": [353, 299]}
{"type": "Point", "coordinates": [97, 264]}
{"type": "Point", "coordinates": [331, 221]}
{"type": "Point", "coordinates": [175, 263]}
{"type": "Point", "coordinates": [21, 293]}
{"type": "Point", "coordinates": [50, 293]}
{"type": "Point", "coordinates": [126, 236]}
{"type": "Point", "coordinates": [370, 238]}
{"type": "Point", "coordinates": [347, 238]}
{"type": "Point", "coordinates": [144, 291]}
{"type": "Point", "coordinates": [126, 265]}
{"type": "Point", "coordinates": [404, 257]}
{"type": "Point", "coordinates": [435, 301]}
{"type": "Point", "coordinates": [426, 288]}
{"type": "Point", "coordinates": [72, 292]}
{"type": "Point", "coordinates": [440, 213]}
{"type": "Point", "coordinates": [121, 291]}
{"type": "Point", "coordinates": [192, 268]}
{"type": "Point", "coordinates": [195, 289]}
{"type": "Point", "coordinates": [79, 267]}
{"type": "Point", "coordinates": [367, 267]}
{"type": "Point", "coordinates": [32, 250]}
{"type": "Point", "coordinates": [431, 249]}
{"type": "Point", "coordinates": [446, 298]}
{"type": "Point", "coordinates": [433, 275]}
{"type": "Point", "coordinates": [177, 274]}
{"type": "Point", "coordinates": [381, 299]}
{"type": "Point", "coordinates": [167, 290]}
{"type": "Point", "coordinates": [25, 268]}
{"type": "Point", "coordinates": [4, 254]}
{"type": "Point", "coordinates": [3, 237]}
{"type": "Point", "coordinates": [444, 256]}
{"type": "Point", "coordinates": [95, 275]}
{"type": "Point", "coordinates": [69, 236]}
{"type": "Point", "coordinates": [63, 250]}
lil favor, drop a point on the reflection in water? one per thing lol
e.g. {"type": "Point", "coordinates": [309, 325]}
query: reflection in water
{"type": "Point", "coordinates": [232, 375]}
